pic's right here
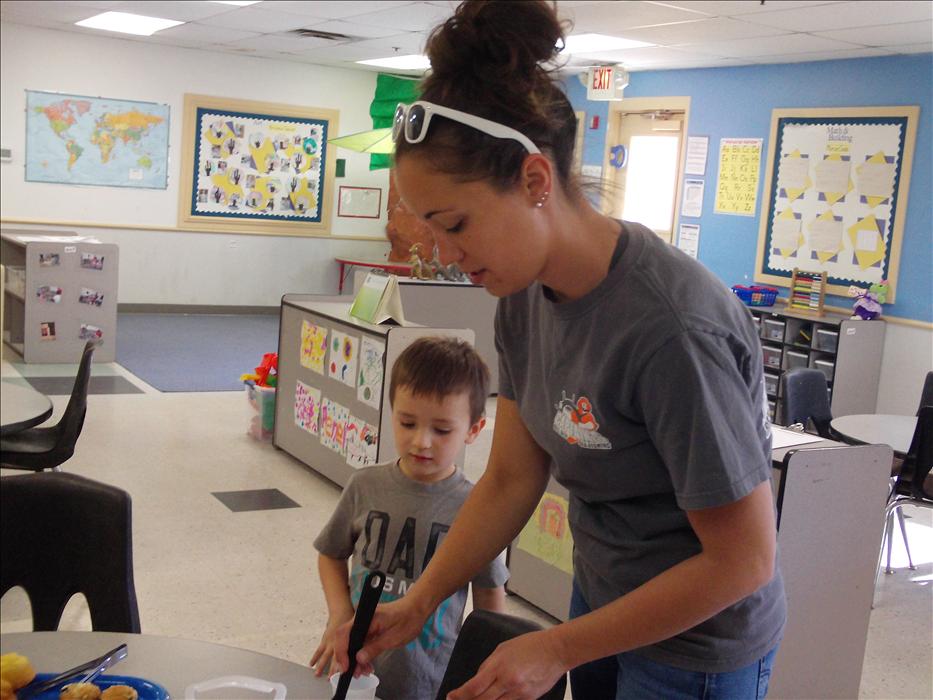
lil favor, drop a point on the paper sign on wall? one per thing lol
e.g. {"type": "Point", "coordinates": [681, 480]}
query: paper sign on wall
{"type": "Point", "coordinates": [737, 187]}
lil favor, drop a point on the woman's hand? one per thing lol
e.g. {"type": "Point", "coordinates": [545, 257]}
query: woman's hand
{"type": "Point", "coordinates": [522, 668]}
{"type": "Point", "coordinates": [324, 655]}
{"type": "Point", "coordinates": [393, 625]}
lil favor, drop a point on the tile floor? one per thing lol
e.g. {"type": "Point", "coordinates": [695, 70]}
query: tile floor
{"type": "Point", "coordinates": [208, 567]}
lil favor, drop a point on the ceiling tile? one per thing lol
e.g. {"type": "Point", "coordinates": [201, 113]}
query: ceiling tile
{"type": "Point", "coordinates": [256, 18]}
{"type": "Point", "coordinates": [329, 9]}
{"type": "Point", "coordinates": [49, 14]}
{"type": "Point", "coordinates": [768, 46]}
{"type": "Point", "coordinates": [287, 43]}
{"type": "Point", "coordinates": [195, 31]}
{"type": "Point", "coordinates": [885, 35]}
{"type": "Point", "coordinates": [181, 11]}
{"type": "Point", "coordinates": [409, 17]}
{"type": "Point", "coordinates": [610, 17]}
{"type": "Point", "coordinates": [352, 28]}
{"type": "Point", "coordinates": [844, 15]}
{"type": "Point", "coordinates": [401, 44]}
{"type": "Point", "coordinates": [925, 47]}
{"type": "Point", "coordinates": [824, 56]}
{"type": "Point", "coordinates": [731, 8]}
{"type": "Point", "coordinates": [714, 29]}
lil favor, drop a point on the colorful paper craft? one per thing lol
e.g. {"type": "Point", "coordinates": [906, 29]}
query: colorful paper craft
{"type": "Point", "coordinates": [307, 407]}
{"type": "Point", "coordinates": [343, 357]}
{"type": "Point", "coordinates": [334, 425]}
{"type": "Point", "coordinates": [313, 346]}
{"type": "Point", "coordinates": [369, 386]}
{"type": "Point", "coordinates": [362, 442]}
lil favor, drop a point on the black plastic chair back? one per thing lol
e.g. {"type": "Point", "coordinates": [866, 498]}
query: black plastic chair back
{"type": "Point", "coordinates": [806, 399]}
{"type": "Point", "coordinates": [920, 458]}
{"type": "Point", "coordinates": [926, 396]}
{"type": "Point", "coordinates": [65, 534]}
{"type": "Point", "coordinates": [481, 633]}
{"type": "Point", "coordinates": [72, 420]}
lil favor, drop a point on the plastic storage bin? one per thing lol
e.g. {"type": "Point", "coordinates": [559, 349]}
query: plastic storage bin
{"type": "Point", "coordinates": [827, 367]}
{"type": "Point", "coordinates": [771, 384]}
{"type": "Point", "coordinates": [262, 399]}
{"type": "Point", "coordinates": [793, 359]}
{"type": "Point", "coordinates": [772, 356]}
{"type": "Point", "coordinates": [826, 340]}
{"type": "Point", "coordinates": [772, 330]}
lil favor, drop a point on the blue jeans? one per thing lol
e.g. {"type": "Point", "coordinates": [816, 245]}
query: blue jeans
{"type": "Point", "coordinates": [630, 676]}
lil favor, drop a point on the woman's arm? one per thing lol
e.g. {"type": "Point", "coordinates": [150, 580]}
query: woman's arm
{"type": "Point", "coordinates": [493, 514]}
{"type": "Point", "coordinates": [335, 581]}
{"type": "Point", "coordinates": [737, 558]}
{"type": "Point", "coordinates": [489, 598]}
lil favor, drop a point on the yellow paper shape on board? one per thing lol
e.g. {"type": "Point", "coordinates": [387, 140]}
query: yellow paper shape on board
{"type": "Point", "coordinates": [832, 178]}
{"type": "Point", "coordinates": [825, 235]}
{"type": "Point", "coordinates": [785, 233]}
{"type": "Point", "coordinates": [861, 234]}
{"type": "Point", "coordinates": [876, 179]}
{"type": "Point", "coordinates": [547, 536]}
{"type": "Point", "coordinates": [793, 175]}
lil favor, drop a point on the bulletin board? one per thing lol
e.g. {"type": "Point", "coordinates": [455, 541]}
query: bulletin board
{"type": "Point", "coordinates": [256, 167]}
{"type": "Point", "coordinates": [836, 187]}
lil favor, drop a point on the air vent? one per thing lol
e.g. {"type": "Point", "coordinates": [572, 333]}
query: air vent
{"type": "Point", "coordinates": [315, 34]}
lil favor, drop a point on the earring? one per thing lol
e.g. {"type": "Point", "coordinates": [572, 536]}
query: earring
{"type": "Point", "coordinates": [542, 199]}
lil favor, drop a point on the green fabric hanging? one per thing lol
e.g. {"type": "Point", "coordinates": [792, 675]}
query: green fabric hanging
{"type": "Point", "coordinates": [390, 90]}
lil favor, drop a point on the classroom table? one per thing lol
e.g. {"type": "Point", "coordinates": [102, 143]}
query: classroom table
{"type": "Point", "coordinates": [393, 268]}
{"type": "Point", "coordinates": [172, 663]}
{"type": "Point", "coordinates": [877, 429]}
{"type": "Point", "coordinates": [21, 407]}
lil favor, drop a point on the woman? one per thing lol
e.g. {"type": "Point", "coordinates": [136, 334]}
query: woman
{"type": "Point", "coordinates": [627, 370]}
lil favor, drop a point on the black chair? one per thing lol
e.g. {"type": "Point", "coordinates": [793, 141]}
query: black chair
{"type": "Point", "coordinates": [926, 395]}
{"type": "Point", "coordinates": [806, 400]}
{"type": "Point", "coordinates": [481, 633]}
{"type": "Point", "coordinates": [914, 483]}
{"type": "Point", "coordinates": [36, 449]}
{"type": "Point", "coordinates": [65, 534]}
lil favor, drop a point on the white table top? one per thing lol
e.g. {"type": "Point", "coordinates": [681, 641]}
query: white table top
{"type": "Point", "coordinates": [21, 407]}
{"type": "Point", "coordinates": [172, 663]}
{"type": "Point", "coordinates": [877, 428]}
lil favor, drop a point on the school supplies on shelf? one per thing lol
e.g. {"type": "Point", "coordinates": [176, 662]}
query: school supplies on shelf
{"type": "Point", "coordinates": [755, 295]}
{"type": "Point", "coordinates": [807, 290]}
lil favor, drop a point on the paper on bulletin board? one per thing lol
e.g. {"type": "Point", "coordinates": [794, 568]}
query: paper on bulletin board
{"type": "Point", "coordinates": [307, 407]}
{"type": "Point", "coordinates": [692, 205]}
{"type": "Point", "coordinates": [313, 346]}
{"type": "Point", "coordinates": [334, 419]}
{"type": "Point", "coordinates": [689, 239]}
{"type": "Point", "coordinates": [737, 186]}
{"type": "Point", "coordinates": [343, 357]}
{"type": "Point", "coordinates": [547, 536]}
{"type": "Point", "coordinates": [697, 152]}
{"type": "Point", "coordinates": [369, 385]}
{"type": "Point", "coordinates": [362, 441]}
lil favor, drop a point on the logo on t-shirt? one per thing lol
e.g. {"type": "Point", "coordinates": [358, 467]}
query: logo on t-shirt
{"type": "Point", "coordinates": [576, 423]}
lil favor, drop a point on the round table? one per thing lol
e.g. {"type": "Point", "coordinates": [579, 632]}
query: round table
{"type": "Point", "coordinates": [877, 428]}
{"type": "Point", "coordinates": [172, 663]}
{"type": "Point", "coordinates": [21, 407]}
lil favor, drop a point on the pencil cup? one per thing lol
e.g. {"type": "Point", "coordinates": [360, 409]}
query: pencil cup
{"type": "Point", "coordinates": [362, 688]}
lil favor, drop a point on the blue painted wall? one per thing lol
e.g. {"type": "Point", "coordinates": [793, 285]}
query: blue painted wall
{"type": "Point", "coordinates": [737, 102]}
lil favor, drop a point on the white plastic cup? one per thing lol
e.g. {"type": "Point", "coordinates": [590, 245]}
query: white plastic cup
{"type": "Point", "coordinates": [362, 688]}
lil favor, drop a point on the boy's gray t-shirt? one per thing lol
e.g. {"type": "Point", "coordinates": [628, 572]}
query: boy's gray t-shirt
{"type": "Point", "coordinates": [648, 395]}
{"type": "Point", "coordinates": [388, 522]}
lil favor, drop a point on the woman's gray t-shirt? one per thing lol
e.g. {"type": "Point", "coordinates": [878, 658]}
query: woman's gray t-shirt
{"type": "Point", "coordinates": [648, 395]}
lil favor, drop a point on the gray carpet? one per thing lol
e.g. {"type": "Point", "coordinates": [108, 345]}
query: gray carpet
{"type": "Point", "coordinates": [194, 352]}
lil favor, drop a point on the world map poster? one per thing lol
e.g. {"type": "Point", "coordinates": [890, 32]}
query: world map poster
{"type": "Point", "coordinates": [80, 140]}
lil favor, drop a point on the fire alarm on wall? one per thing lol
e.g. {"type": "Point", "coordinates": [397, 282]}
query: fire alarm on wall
{"type": "Point", "coordinates": [594, 121]}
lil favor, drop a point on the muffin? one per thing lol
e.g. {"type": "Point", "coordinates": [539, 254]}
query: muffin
{"type": "Point", "coordinates": [80, 691]}
{"type": "Point", "coordinates": [6, 690]}
{"type": "Point", "coordinates": [16, 670]}
{"type": "Point", "coordinates": [119, 692]}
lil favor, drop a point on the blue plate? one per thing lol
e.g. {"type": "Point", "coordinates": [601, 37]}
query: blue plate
{"type": "Point", "coordinates": [147, 690]}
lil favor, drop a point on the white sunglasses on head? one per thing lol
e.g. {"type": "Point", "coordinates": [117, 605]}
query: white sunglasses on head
{"type": "Point", "coordinates": [413, 120]}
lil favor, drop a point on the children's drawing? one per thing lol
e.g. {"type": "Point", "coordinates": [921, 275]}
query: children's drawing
{"type": "Point", "coordinates": [343, 357]}
{"type": "Point", "coordinates": [313, 346]}
{"type": "Point", "coordinates": [307, 407]}
{"type": "Point", "coordinates": [334, 425]}
{"type": "Point", "coordinates": [362, 442]}
{"type": "Point", "coordinates": [369, 384]}
{"type": "Point", "coordinates": [547, 533]}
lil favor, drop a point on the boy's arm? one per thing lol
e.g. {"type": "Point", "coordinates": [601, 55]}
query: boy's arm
{"type": "Point", "coordinates": [335, 582]}
{"type": "Point", "coordinates": [488, 598]}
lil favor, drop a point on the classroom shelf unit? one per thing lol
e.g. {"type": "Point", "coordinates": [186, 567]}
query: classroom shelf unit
{"type": "Point", "coordinates": [847, 351]}
{"type": "Point", "coordinates": [60, 291]}
{"type": "Point", "coordinates": [332, 407]}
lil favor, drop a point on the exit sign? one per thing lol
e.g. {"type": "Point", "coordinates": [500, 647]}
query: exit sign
{"type": "Point", "coordinates": [606, 82]}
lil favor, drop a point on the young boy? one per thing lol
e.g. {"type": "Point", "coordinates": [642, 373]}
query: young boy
{"type": "Point", "coordinates": [391, 517]}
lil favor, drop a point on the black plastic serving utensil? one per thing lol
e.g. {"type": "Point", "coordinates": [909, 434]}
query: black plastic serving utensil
{"type": "Point", "coordinates": [369, 598]}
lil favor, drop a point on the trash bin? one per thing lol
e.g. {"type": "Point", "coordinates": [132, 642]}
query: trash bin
{"type": "Point", "coordinates": [262, 399]}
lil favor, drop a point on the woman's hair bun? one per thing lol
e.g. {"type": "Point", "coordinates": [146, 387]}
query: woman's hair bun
{"type": "Point", "coordinates": [495, 40]}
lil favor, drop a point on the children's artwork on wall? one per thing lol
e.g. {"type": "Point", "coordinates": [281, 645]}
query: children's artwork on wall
{"type": "Point", "coordinates": [334, 425]}
{"type": "Point", "coordinates": [49, 293]}
{"type": "Point", "coordinates": [362, 442]}
{"type": "Point", "coordinates": [256, 166]}
{"type": "Point", "coordinates": [89, 332]}
{"type": "Point", "coordinates": [89, 261]}
{"type": "Point", "coordinates": [343, 357]}
{"type": "Point", "coordinates": [307, 407]}
{"type": "Point", "coordinates": [369, 386]}
{"type": "Point", "coordinates": [83, 140]}
{"type": "Point", "coordinates": [91, 297]}
{"type": "Point", "coordinates": [49, 259]}
{"type": "Point", "coordinates": [313, 346]}
{"type": "Point", "coordinates": [547, 536]}
{"type": "Point", "coordinates": [47, 330]}
{"type": "Point", "coordinates": [837, 183]}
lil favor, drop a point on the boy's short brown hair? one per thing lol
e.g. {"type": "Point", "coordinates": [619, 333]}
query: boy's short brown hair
{"type": "Point", "coordinates": [439, 366]}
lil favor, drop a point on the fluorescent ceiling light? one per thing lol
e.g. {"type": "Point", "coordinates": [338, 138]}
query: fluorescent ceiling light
{"type": "Point", "coordinates": [241, 3]}
{"type": "Point", "coordinates": [411, 62]}
{"type": "Point", "coordinates": [127, 23]}
{"type": "Point", "coordinates": [591, 43]}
